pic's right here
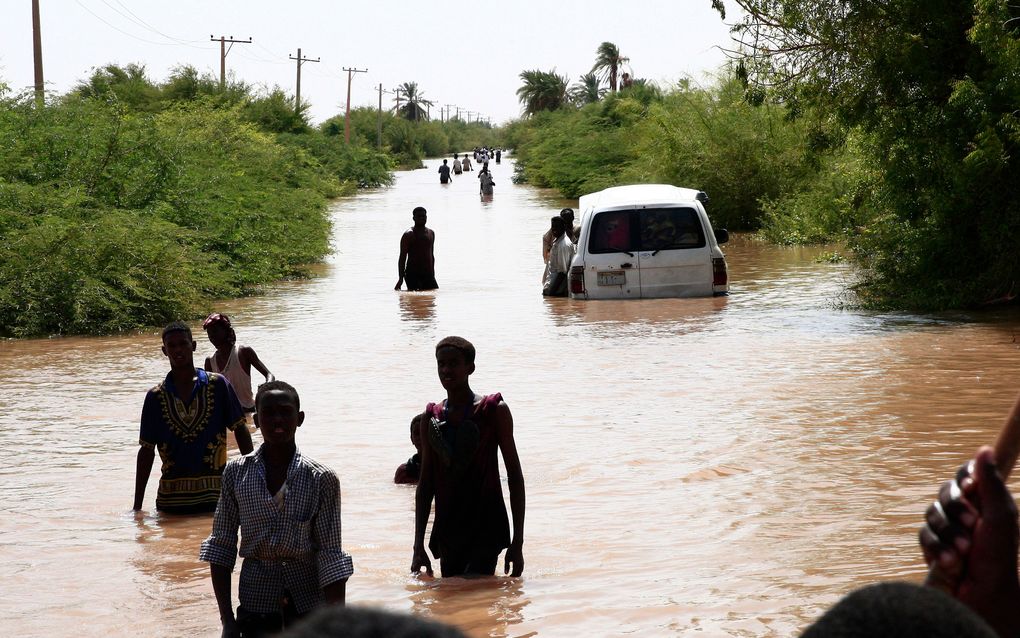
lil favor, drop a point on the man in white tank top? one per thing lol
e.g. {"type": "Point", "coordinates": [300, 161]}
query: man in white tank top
{"type": "Point", "coordinates": [231, 360]}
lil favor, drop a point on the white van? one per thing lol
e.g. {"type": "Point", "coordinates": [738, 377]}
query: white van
{"type": "Point", "coordinates": [647, 240]}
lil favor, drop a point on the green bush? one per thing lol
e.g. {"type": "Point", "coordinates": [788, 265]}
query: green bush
{"type": "Point", "coordinates": [113, 219]}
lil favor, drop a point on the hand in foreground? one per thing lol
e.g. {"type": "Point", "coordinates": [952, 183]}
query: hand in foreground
{"type": "Point", "coordinates": [421, 559]}
{"type": "Point", "coordinates": [514, 556]}
{"type": "Point", "coordinates": [970, 542]}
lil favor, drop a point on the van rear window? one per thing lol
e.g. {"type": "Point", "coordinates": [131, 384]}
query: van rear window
{"type": "Point", "coordinates": [646, 229]}
{"type": "Point", "coordinates": [670, 229]}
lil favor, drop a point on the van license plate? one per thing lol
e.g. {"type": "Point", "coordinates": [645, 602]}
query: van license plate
{"type": "Point", "coordinates": [612, 278]}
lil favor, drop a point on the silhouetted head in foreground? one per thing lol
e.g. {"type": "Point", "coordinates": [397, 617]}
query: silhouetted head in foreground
{"type": "Point", "coordinates": [899, 610]}
{"type": "Point", "coordinates": [360, 622]}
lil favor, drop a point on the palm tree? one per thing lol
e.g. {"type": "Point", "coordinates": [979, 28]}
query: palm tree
{"type": "Point", "coordinates": [587, 90]}
{"type": "Point", "coordinates": [415, 102]}
{"type": "Point", "coordinates": [542, 91]}
{"type": "Point", "coordinates": [607, 63]}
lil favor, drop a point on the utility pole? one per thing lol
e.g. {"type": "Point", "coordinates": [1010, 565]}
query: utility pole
{"type": "Point", "coordinates": [297, 96]}
{"type": "Point", "coordinates": [347, 117]}
{"type": "Point", "coordinates": [448, 116]}
{"type": "Point", "coordinates": [37, 52]}
{"type": "Point", "coordinates": [378, 127]}
{"type": "Point", "coordinates": [224, 50]}
{"type": "Point", "coordinates": [396, 109]}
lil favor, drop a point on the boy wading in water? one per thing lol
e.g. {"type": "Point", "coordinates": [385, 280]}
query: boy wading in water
{"type": "Point", "coordinates": [288, 509]}
{"type": "Point", "coordinates": [231, 360]}
{"type": "Point", "coordinates": [460, 469]}
{"type": "Point", "coordinates": [416, 264]}
{"type": "Point", "coordinates": [186, 418]}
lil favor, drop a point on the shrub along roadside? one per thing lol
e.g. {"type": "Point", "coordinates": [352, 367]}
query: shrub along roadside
{"type": "Point", "coordinates": [112, 219]}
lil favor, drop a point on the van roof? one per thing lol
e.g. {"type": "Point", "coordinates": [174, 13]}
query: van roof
{"type": "Point", "coordinates": [637, 195]}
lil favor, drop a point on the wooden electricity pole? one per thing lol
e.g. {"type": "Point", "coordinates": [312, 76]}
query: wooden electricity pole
{"type": "Point", "coordinates": [378, 122]}
{"type": "Point", "coordinates": [37, 52]}
{"type": "Point", "coordinates": [347, 116]}
{"type": "Point", "coordinates": [297, 95]}
{"type": "Point", "coordinates": [224, 50]}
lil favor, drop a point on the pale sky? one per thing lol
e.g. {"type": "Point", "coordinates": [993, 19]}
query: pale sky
{"type": "Point", "coordinates": [468, 54]}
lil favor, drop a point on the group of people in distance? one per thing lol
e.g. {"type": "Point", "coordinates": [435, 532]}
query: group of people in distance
{"type": "Point", "coordinates": [284, 507]}
{"type": "Point", "coordinates": [460, 166]}
{"type": "Point", "coordinates": [559, 244]}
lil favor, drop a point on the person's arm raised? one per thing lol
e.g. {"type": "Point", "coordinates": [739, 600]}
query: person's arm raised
{"type": "Point", "coordinates": [970, 541]}
{"type": "Point", "coordinates": [515, 483]}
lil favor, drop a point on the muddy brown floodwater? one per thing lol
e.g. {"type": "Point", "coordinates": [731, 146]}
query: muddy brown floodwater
{"type": "Point", "coordinates": [730, 465]}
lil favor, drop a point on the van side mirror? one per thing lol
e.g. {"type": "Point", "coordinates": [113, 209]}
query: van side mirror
{"type": "Point", "coordinates": [721, 235]}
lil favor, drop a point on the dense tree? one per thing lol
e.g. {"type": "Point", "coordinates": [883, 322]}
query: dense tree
{"type": "Point", "coordinates": [587, 90]}
{"type": "Point", "coordinates": [542, 91]}
{"type": "Point", "coordinates": [608, 62]}
{"type": "Point", "coordinates": [932, 87]}
{"type": "Point", "coordinates": [414, 106]}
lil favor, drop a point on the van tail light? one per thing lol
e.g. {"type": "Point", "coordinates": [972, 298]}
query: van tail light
{"type": "Point", "coordinates": [719, 277]}
{"type": "Point", "coordinates": [577, 280]}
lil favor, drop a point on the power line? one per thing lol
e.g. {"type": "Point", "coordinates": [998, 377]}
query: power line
{"type": "Point", "coordinates": [133, 17]}
{"type": "Point", "coordinates": [131, 35]}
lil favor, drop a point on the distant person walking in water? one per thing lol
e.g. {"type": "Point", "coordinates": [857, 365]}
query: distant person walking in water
{"type": "Point", "coordinates": [460, 469]}
{"type": "Point", "coordinates": [458, 168]}
{"type": "Point", "coordinates": [467, 163]}
{"type": "Point", "coordinates": [231, 360]}
{"type": "Point", "coordinates": [444, 173]}
{"type": "Point", "coordinates": [186, 418]}
{"type": "Point", "coordinates": [416, 265]}
{"type": "Point", "coordinates": [499, 154]}
{"type": "Point", "coordinates": [485, 182]}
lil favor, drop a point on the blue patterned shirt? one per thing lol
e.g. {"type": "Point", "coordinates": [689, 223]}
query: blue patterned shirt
{"type": "Point", "coordinates": [294, 546]}
{"type": "Point", "coordinates": [191, 439]}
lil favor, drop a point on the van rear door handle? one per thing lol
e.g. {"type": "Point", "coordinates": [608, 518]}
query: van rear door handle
{"type": "Point", "coordinates": [627, 265]}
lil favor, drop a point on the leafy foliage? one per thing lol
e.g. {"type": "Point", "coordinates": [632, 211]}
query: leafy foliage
{"type": "Point", "coordinates": [709, 139]}
{"type": "Point", "coordinates": [112, 218]}
{"type": "Point", "coordinates": [542, 91]}
{"type": "Point", "coordinates": [931, 91]}
{"type": "Point", "coordinates": [587, 90]}
{"type": "Point", "coordinates": [608, 62]}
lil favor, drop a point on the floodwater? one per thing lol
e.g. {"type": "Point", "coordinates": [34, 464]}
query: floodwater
{"type": "Point", "coordinates": [730, 465]}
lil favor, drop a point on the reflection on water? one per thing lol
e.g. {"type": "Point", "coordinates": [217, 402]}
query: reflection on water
{"type": "Point", "coordinates": [479, 606]}
{"type": "Point", "coordinates": [726, 465]}
{"type": "Point", "coordinates": [417, 307]}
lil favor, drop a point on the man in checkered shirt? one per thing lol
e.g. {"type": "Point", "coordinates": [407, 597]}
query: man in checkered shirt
{"type": "Point", "coordinates": [287, 507]}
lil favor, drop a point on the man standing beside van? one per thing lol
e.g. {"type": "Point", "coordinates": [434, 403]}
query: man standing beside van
{"type": "Point", "coordinates": [547, 239]}
{"type": "Point", "coordinates": [417, 262]}
{"type": "Point", "coordinates": [560, 256]}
